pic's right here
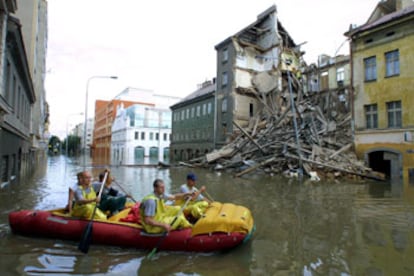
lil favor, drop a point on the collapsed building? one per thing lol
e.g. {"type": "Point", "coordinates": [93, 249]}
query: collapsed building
{"type": "Point", "coordinates": [275, 113]}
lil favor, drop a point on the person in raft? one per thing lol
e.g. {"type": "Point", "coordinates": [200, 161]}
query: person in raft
{"type": "Point", "coordinates": [112, 200]}
{"type": "Point", "coordinates": [86, 199]}
{"type": "Point", "coordinates": [71, 194]}
{"type": "Point", "coordinates": [198, 204]}
{"type": "Point", "coordinates": [157, 216]}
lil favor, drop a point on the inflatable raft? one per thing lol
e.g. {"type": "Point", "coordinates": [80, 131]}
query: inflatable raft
{"type": "Point", "coordinates": [224, 226]}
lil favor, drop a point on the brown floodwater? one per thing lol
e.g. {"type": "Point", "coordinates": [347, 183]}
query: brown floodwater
{"type": "Point", "coordinates": [302, 228]}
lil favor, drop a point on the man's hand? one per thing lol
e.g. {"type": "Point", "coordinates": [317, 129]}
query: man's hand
{"type": "Point", "coordinates": [167, 227]}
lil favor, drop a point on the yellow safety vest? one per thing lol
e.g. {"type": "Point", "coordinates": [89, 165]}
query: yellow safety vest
{"type": "Point", "coordinates": [86, 210]}
{"type": "Point", "coordinates": [164, 214]}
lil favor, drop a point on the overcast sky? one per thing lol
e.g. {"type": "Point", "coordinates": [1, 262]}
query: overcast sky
{"type": "Point", "coordinates": [167, 46]}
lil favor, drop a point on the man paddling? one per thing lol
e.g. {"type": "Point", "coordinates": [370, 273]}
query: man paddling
{"type": "Point", "coordinates": [157, 217]}
{"type": "Point", "coordinates": [198, 204]}
{"type": "Point", "coordinates": [86, 199]}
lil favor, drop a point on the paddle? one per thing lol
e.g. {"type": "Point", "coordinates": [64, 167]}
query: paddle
{"type": "Point", "coordinates": [208, 196]}
{"type": "Point", "coordinates": [123, 190]}
{"type": "Point", "coordinates": [153, 251]}
{"type": "Point", "coordinates": [87, 233]}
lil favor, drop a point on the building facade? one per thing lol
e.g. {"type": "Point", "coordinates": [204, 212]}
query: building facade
{"type": "Point", "coordinates": [193, 124]}
{"type": "Point", "coordinates": [33, 18]}
{"type": "Point", "coordinates": [105, 113]}
{"type": "Point", "coordinates": [251, 64]}
{"type": "Point", "coordinates": [141, 134]}
{"type": "Point", "coordinates": [382, 53]}
{"type": "Point", "coordinates": [328, 83]}
{"type": "Point", "coordinates": [17, 96]}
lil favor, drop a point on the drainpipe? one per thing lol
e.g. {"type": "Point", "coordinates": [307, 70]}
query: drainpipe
{"type": "Point", "coordinates": [215, 116]}
{"type": "Point", "coordinates": [351, 88]}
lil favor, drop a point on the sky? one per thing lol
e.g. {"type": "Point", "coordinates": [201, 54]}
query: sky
{"type": "Point", "coordinates": [167, 46]}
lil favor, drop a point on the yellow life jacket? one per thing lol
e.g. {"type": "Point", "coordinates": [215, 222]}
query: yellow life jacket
{"type": "Point", "coordinates": [86, 210]}
{"type": "Point", "coordinates": [164, 214]}
{"type": "Point", "coordinates": [195, 207]}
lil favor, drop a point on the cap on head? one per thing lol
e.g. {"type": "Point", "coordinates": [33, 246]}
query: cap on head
{"type": "Point", "coordinates": [191, 176]}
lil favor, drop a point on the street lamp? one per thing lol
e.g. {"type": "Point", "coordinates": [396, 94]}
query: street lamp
{"type": "Point", "coordinates": [67, 136]}
{"type": "Point", "coordinates": [86, 112]}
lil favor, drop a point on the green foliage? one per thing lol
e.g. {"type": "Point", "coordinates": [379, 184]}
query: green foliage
{"type": "Point", "coordinates": [74, 145]}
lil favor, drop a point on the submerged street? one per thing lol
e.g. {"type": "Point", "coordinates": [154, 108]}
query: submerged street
{"type": "Point", "coordinates": [302, 228]}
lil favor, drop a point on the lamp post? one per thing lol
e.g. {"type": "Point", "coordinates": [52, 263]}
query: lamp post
{"type": "Point", "coordinates": [67, 136]}
{"type": "Point", "coordinates": [86, 112]}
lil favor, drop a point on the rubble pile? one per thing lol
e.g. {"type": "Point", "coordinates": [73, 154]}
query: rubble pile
{"type": "Point", "coordinates": [312, 135]}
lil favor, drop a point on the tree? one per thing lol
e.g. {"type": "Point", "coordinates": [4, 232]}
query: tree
{"type": "Point", "coordinates": [73, 146]}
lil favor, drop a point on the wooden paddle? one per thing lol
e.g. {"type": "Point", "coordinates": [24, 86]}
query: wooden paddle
{"type": "Point", "coordinates": [153, 251]}
{"type": "Point", "coordinates": [87, 233]}
{"type": "Point", "coordinates": [123, 190]}
{"type": "Point", "coordinates": [209, 196]}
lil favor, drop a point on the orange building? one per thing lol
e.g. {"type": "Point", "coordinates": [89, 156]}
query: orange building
{"type": "Point", "coordinates": [105, 112]}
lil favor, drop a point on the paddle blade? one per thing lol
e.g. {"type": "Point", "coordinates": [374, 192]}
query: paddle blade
{"type": "Point", "coordinates": [153, 251]}
{"type": "Point", "coordinates": [86, 238]}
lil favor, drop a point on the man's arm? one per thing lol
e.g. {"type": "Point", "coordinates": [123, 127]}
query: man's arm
{"type": "Point", "coordinates": [70, 200]}
{"type": "Point", "coordinates": [178, 196]}
{"type": "Point", "coordinates": [80, 200]}
{"type": "Point", "coordinates": [198, 194]}
{"type": "Point", "coordinates": [149, 214]}
{"type": "Point", "coordinates": [153, 222]}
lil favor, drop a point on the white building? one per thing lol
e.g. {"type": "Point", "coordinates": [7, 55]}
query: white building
{"type": "Point", "coordinates": [141, 134]}
{"type": "Point", "coordinates": [79, 129]}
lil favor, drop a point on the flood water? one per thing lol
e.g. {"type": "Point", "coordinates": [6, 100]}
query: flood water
{"type": "Point", "coordinates": [302, 228]}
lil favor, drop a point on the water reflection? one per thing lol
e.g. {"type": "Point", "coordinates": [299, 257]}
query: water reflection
{"type": "Point", "coordinates": [348, 228]}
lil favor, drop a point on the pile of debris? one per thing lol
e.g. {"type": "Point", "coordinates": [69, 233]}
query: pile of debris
{"type": "Point", "coordinates": [293, 133]}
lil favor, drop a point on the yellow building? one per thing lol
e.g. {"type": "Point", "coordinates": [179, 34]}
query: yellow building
{"type": "Point", "coordinates": [382, 56]}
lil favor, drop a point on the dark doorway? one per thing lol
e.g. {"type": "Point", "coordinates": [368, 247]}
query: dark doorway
{"type": "Point", "coordinates": [387, 162]}
{"type": "Point", "coordinates": [377, 163]}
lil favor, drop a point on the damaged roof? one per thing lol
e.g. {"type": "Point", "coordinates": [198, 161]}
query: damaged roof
{"type": "Point", "coordinates": [254, 30]}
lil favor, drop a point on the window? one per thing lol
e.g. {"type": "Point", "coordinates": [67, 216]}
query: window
{"type": "Point", "coordinates": [7, 75]}
{"type": "Point", "coordinates": [157, 136]}
{"type": "Point", "coordinates": [224, 105]}
{"type": "Point", "coordinates": [165, 136]}
{"type": "Point", "coordinates": [192, 112]}
{"type": "Point", "coordinates": [371, 115]}
{"type": "Point", "coordinates": [182, 115]}
{"type": "Point", "coordinates": [394, 114]}
{"type": "Point", "coordinates": [204, 109]}
{"type": "Point", "coordinates": [136, 135]}
{"type": "Point", "coordinates": [324, 80]}
{"type": "Point", "coordinates": [370, 65]}
{"type": "Point", "coordinates": [187, 115]}
{"type": "Point", "coordinates": [340, 74]}
{"type": "Point", "coordinates": [151, 136]}
{"type": "Point", "coordinates": [411, 176]}
{"type": "Point", "coordinates": [224, 79]}
{"type": "Point", "coordinates": [209, 108]}
{"type": "Point", "coordinates": [142, 135]}
{"type": "Point", "coordinates": [4, 166]}
{"type": "Point", "coordinates": [392, 63]}
{"type": "Point", "coordinates": [198, 110]}
{"type": "Point", "coordinates": [225, 55]}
